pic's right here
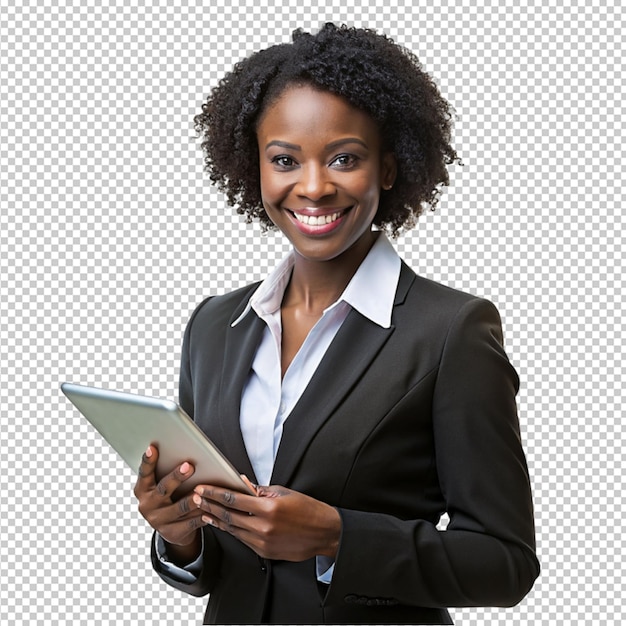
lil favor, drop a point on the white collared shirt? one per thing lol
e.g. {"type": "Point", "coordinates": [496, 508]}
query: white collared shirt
{"type": "Point", "coordinates": [267, 400]}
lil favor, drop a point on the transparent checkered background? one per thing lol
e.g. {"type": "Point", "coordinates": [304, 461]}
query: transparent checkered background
{"type": "Point", "coordinates": [110, 234]}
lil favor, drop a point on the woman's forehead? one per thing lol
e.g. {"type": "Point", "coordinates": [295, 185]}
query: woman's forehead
{"type": "Point", "coordinates": [303, 110]}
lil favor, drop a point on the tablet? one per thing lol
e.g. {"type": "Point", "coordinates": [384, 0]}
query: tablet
{"type": "Point", "coordinates": [130, 423]}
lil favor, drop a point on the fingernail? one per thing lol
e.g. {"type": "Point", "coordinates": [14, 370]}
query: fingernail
{"type": "Point", "coordinates": [199, 490]}
{"type": "Point", "coordinates": [184, 468]}
{"type": "Point", "coordinates": [197, 499]}
{"type": "Point", "coordinates": [149, 452]}
{"type": "Point", "coordinates": [208, 520]}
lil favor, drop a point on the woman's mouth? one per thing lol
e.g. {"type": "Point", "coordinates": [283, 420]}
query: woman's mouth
{"type": "Point", "coordinates": [320, 224]}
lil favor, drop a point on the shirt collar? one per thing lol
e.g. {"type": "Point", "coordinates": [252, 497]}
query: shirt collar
{"type": "Point", "coordinates": [371, 291]}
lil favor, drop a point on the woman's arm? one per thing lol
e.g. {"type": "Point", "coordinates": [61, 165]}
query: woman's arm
{"type": "Point", "coordinates": [486, 557]}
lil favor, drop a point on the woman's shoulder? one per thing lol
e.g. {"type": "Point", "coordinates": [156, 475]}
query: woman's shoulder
{"type": "Point", "coordinates": [427, 298]}
{"type": "Point", "coordinates": [418, 288]}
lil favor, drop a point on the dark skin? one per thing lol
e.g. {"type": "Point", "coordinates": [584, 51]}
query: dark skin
{"type": "Point", "coordinates": [322, 171]}
{"type": "Point", "coordinates": [305, 299]}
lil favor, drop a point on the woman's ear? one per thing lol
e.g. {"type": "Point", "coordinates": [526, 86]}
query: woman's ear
{"type": "Point", "coordinates": [389, 170]}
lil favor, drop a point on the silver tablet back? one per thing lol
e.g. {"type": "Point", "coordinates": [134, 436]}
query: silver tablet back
{"type": "Point", "coordinates": [130, 423]}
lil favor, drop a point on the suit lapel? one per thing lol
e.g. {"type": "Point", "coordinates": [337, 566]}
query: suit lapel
{"type": "Point", "coordinates": [351, 352]}
{"type": "Point", "coordinates": [241, 344]}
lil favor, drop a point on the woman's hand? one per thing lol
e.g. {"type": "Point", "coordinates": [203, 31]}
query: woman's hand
{"type": "Point", "coordinates": [278, 524]}
{"type": "Point", "coordinates": [179, 521]}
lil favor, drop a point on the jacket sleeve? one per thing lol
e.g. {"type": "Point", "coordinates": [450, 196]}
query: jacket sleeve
{"type": "Point", "coordinates": [486, 556]}
{"type": "Point", "coordinates": [205, 579]}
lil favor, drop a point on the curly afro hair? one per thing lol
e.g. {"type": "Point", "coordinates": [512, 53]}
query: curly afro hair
{"type": "Point", "coordinates": [373, 74]}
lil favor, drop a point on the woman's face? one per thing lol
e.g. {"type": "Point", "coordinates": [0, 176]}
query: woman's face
{"type": "Point", "coordinates": [322, 170]}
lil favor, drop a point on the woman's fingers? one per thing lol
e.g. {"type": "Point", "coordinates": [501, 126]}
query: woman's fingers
{"type": "Point", "coordinates": [146, 478]}
{"type": "Point", "coordinates": [227, 510]}
{"type": "Point", "coordinates": [169, 483]}
{"type": "Point", "coordinates": [228, 498]}
{"type": "Point", "coordinates": [278, 523]}
{"type": "Point", "coordinates": [177, 521]}
{"type": "Point", "coordinates": [146, 481]}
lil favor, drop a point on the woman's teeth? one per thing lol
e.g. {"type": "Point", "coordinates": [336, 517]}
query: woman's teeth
{"type": "Point", "coordinates": [317, 220]}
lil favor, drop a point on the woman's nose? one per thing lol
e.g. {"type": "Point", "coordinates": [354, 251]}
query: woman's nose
{"type": "Point", "coordinates": [315, 183]}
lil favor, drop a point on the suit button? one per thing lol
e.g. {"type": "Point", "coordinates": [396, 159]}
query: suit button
{"type": "Point", "coordinates": [262, 564]}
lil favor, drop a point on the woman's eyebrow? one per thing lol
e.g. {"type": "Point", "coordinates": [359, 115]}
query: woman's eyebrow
{"type": "Point", "coordinates": [283, 144]}
{"type": "Point", "coordinates": [345, 140]}
{"type": "Point", "coordinates": [332, 145]}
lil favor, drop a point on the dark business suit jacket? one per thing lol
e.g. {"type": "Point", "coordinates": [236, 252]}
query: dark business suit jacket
{"type": "Point", "coordinates": [396, 426]}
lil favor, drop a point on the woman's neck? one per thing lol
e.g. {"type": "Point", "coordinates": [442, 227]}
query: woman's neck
{"type": "Point", "coordinates": [315, 285]}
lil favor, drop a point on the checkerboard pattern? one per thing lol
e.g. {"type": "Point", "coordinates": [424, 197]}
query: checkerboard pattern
{"type": "Point", "coordinates": [110, 233]}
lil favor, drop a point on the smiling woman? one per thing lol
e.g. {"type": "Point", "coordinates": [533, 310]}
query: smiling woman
{"type": "Point", "coordinates": [363, 400]}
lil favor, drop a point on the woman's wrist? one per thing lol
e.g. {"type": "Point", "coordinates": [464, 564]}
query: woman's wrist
{"type": "Point", "coordinates": [333, 534]}
{"type": "Point", "coordinates": [181, 555]}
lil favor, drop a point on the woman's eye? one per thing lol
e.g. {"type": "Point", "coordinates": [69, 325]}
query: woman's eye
{"type": "Point", "coordinates": [345, 160]}
{"type": "Point", "coordinates": [283, 161]}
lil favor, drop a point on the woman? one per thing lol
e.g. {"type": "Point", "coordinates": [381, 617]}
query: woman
{"type": "Point", "coordinates": [370, 399]}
